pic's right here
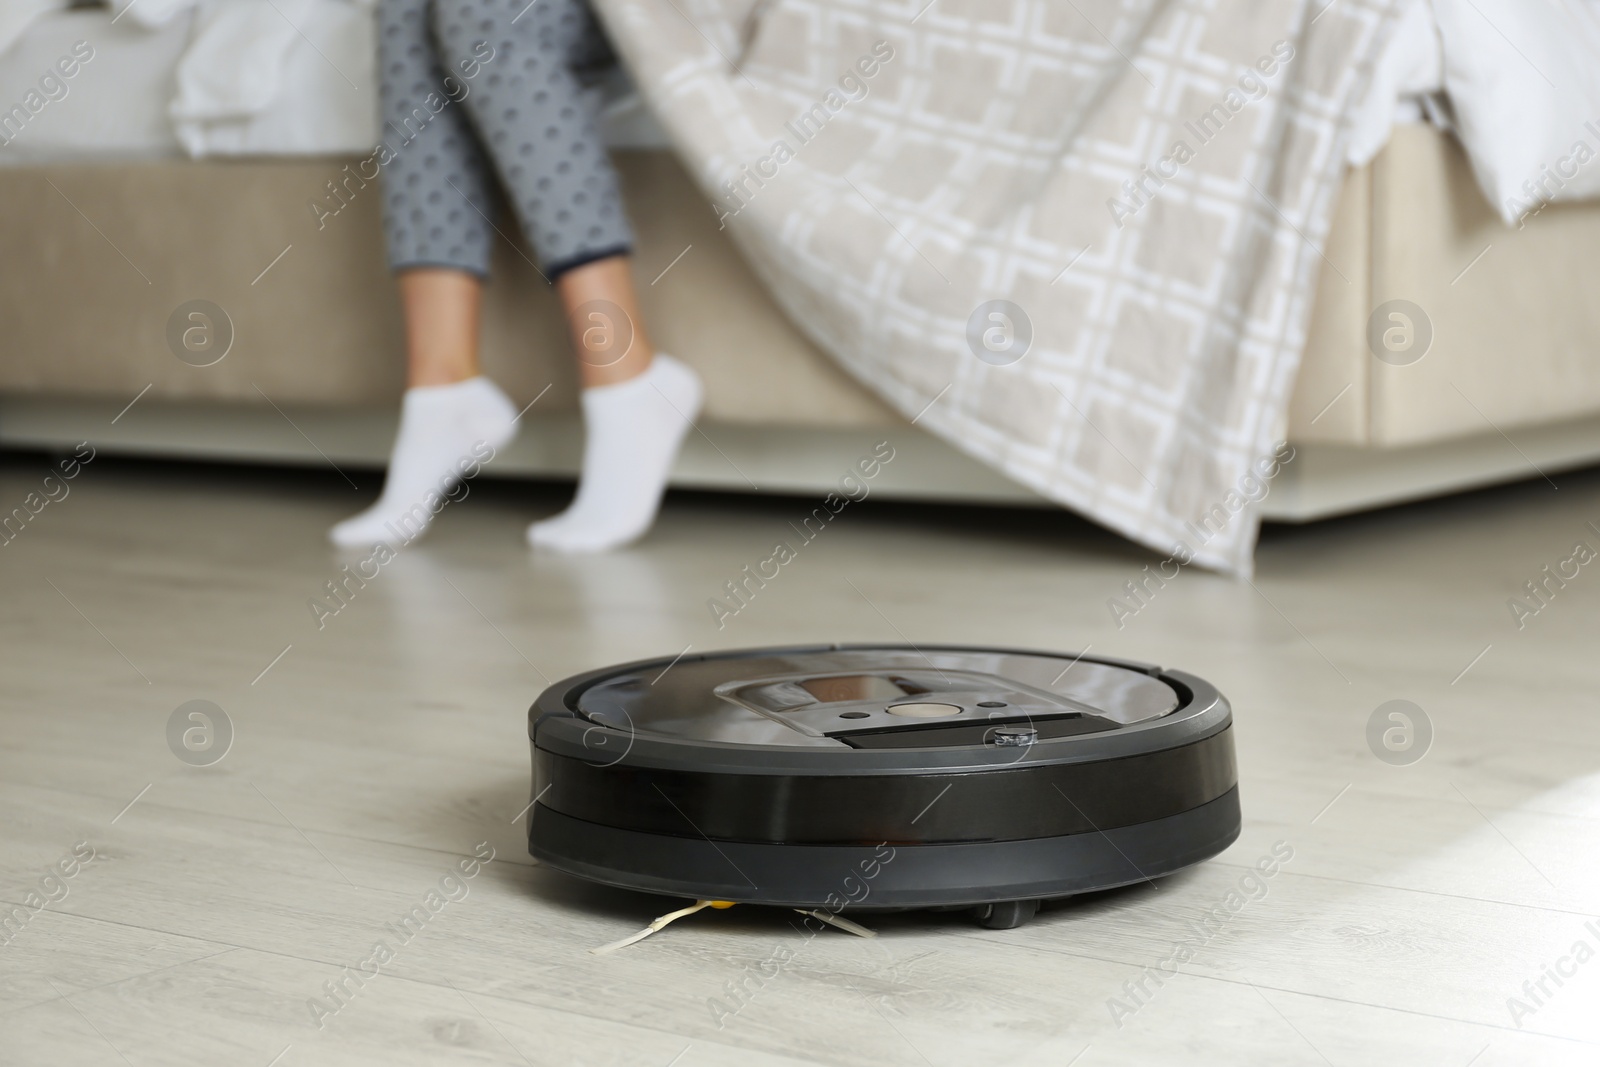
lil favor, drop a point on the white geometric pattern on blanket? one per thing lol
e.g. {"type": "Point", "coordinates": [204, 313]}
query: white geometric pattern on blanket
{"type": "Point", "coordinates": [980, 164]}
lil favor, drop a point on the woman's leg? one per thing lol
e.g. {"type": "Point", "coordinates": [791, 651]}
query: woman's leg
{"type": "Point", "coordinates": [611, 347]}
{"type": "Point", "coordinates": [542, 137]}
{"type": "Point", "coordinates": [440, 308]}
{"type": "Point", "coordinates": [437, 204]}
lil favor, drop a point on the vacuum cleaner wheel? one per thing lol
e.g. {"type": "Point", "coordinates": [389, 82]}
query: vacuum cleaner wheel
{"type": "Point", "coordinates": [881, 777]}
{"type": "Point", "coordinates": [1005, 914]}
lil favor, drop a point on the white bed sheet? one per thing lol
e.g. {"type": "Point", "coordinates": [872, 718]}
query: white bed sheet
{"type": "Point", "coordinates": [115, 106]}
{"type": "Point", "coordinates": [279, 77]}
{"type": "Point", "coordinates": [120, 104]}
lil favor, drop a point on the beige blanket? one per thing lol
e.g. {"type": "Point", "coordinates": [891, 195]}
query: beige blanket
{"type": "Point", "coordinates": [1077, 238]}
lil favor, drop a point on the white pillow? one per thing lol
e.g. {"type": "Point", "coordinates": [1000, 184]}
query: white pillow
{"type": "Point", "coordinates": [1524, 81]}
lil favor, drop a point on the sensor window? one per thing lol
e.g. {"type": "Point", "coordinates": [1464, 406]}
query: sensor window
{"type": "Point", "coordinates": [924, 710]}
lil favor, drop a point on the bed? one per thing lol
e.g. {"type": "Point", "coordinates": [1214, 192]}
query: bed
{"type": "Point", "coordinates": [114, 221]}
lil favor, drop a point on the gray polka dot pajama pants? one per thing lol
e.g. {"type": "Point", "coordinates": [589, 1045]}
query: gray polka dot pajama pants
{"type": "Point", "coordinates": [479, 90]}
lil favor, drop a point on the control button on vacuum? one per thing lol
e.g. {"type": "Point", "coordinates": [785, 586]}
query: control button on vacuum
{"type": "Point", "coordinates": [853, 715]}
{"type": "Point", "coordinates": [924, 710]}
{"type": "Point", "coordinates": [991, 703]}
{"type": "Point", "coordinates": [1014, 736]}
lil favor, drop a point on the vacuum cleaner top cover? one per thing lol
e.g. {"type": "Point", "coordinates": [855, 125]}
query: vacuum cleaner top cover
{"type": "Point", "coordinates": [790, 708]}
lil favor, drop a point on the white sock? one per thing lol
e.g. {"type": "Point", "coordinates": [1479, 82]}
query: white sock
{"type": "Point", "coordinates": [443, 429]}
{"type": "Point", "coordinates": [632, 433]}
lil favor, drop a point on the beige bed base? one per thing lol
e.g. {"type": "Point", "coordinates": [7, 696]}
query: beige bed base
{"type": "Point", "coordinates": [100, 255]}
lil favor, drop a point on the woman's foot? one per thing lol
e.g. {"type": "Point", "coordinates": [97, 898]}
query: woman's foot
{"type": "Point", "coordinates": [632, 433]}
{"type": "Point", "coordinates": [446, 433]}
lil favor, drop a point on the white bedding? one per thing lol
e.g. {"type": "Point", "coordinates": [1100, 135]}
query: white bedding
{"type": "Point", "coordinates": [217, 78]}
{"type": "Point", "coordinates": [281, 77]}
{"type": "Point", "coordinates": [115, 106]}
{"type": "Point", "coordinates": [1517, 80]}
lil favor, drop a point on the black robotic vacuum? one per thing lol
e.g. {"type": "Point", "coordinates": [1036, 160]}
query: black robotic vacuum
{"type": "Point", "coordinates": [859, 777]}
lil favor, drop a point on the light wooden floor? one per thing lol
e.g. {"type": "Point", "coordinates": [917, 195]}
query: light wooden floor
{"type": "Point", "coordinates": [378, 750]}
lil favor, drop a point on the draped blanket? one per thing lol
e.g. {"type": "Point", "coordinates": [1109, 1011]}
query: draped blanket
{"type": "Point", "coordinates": [1077, 238]}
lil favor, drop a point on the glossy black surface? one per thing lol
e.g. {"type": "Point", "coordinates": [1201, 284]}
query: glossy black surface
{"type": "Point", "coordinates": [802, 697]}
{"type": "Point", "coordinates": [1023, 801]}
{"type": "Point", "coordinates": [864, 877]}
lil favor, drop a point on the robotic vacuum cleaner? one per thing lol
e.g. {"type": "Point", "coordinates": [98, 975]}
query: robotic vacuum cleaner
{"type": "Point", "coordinates": [860, 777]}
